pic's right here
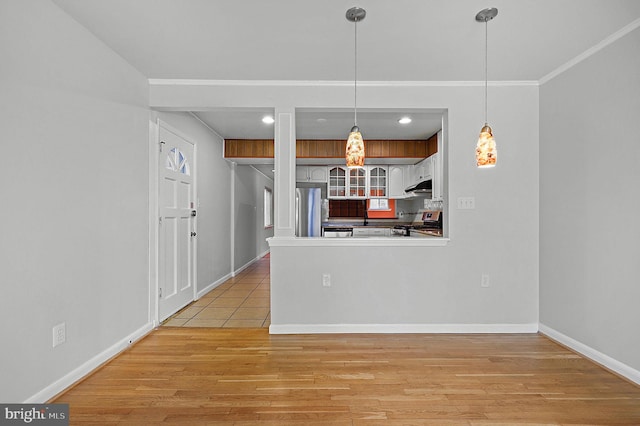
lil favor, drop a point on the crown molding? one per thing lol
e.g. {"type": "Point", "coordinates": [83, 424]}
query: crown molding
{"type": "Point", "coordinates": [329, 83]}
{"type": "Point", "coordinates": [591, 51]}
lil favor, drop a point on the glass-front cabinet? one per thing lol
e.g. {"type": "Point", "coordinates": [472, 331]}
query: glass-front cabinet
{"type": "Point", "coordinates": [357, 183]}
{"type": "Point", "coordinates": [378, 182]}
{"type": "Point", "coordinates": [366, 182]}
{"type": "Point", "coordinates": [337, 182]}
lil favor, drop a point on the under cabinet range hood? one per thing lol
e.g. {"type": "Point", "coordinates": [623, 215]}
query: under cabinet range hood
{"type": "Point", "coordinates": [420, 188]}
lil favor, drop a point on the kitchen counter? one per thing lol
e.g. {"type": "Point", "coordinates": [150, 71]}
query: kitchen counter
{"type": "Point", "coordinates": [420, 233]}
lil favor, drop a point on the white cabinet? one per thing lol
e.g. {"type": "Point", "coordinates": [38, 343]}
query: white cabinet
{"type": "Point", "coordinates": [357, 183]}
{"type": "Point", "coordinates": [423, 170]}
{"type": "Point", "coordinates": [437, 186]}
{"type": "Point", "coordinates": [337, 184]}
{"type": "Point", "coordinates": [399, 179]}
{"type": "Point", "coordinates": [378, 181]}
{"type": "Point", "coordinates": [438, 172]}
{"type": "Point", "coordinates": [311, 174]}
{"type": "Point", "coordinates": [371, 232]}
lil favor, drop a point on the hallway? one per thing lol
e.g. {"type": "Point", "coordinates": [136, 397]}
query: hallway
{"type": "Point", "coordinates": [241, 301]}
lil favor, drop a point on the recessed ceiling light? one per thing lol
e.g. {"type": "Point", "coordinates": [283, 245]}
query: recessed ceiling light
{"type": "Point", "coordinates": [267, 119]}
{"type": "Point", "coordinates": [321, 120]}
{"type": "Point", "coordinates": [404, 120]}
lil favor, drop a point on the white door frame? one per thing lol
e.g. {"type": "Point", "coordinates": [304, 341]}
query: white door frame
{"type": "Point", "coordinates": [154, 215]}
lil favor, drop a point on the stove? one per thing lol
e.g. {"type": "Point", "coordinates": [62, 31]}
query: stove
{"type": "Point", "coordinates": [431, 220]}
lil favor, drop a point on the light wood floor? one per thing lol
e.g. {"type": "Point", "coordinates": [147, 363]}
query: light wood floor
{"type": "Point", "coordinates": [200, 376]}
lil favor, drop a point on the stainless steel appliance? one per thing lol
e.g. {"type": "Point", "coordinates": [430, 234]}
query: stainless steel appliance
{"type": "Point", "coordinates": [338, 232]}
{"type": "Point", "coordinates": [308, 212]}
{"type": "Point", "coordinates": [431, 221]}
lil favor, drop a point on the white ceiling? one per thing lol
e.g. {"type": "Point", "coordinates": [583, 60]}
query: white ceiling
{"type": "Point", "coordinates": [325, 124]}
{"type": "Point", "coordinates": [401, 40]}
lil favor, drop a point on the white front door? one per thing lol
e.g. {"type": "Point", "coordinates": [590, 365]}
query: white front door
{"type": "Point", "coordinates": [176, 260]}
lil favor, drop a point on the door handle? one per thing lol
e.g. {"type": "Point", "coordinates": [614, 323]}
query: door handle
{"type": "Point", "coordinates": [193, 234]}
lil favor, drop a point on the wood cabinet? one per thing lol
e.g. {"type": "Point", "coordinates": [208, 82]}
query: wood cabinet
{"type": "Point", "coordinates": [311, 174]}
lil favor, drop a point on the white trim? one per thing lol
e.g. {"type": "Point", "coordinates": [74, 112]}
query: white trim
{"type": "Point", "coordinates": [591, 51]}
{"type": "Point", "coordinates": [331, 83]}
{"type": "Point", "coordinates": [232, 218]}
{"type": "Point", "coordinates": [593, 354]}
{"type": "Point", "coordinates": [258, 171]}
{"type": "Point", "coordinates": [246, 265]}
{"type": "Point", "coordinates": [402, 328]}
{"type": "Point", "coordinates": [358, 242]}
{"type": "Point", "coordinates": [213, 285]}
{"type": "Point", "coordinates": [208, 127]}
{"type": "Point", "coordinates": [154, 158]}
{"type": "Point", "coordinates": [88, 367]}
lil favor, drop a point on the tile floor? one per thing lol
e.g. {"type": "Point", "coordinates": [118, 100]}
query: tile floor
{"type": "Point", "coordinates": [241, 301]}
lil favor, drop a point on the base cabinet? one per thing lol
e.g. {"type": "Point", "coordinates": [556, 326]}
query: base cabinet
{"type": "Point", "coordinates": [371, 232]}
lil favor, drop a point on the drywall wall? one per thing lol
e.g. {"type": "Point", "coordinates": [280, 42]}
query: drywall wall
{"type": "Point", "coordinates": [213, 183]}
{"type": "Point", "coordinates": [249, 232]}
{"type": "Point", "coordinates": [589, 201]}
{"type": "Point", "coordinates": [74, 245]}
{"type": "Point", "coordinates": [429, 285]}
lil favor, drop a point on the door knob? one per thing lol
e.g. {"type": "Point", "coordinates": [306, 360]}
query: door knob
{"type": "Point", "coordinates": [193, 234]}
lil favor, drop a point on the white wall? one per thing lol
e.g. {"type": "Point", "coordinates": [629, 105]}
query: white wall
{"type": "Point", "coordinates": [428, 285]}
{"type": "Point", "coordinates": [74, 185]}
{"type": "Point", "coordinates": [250, 235]}
{"type": "Point", "coordinates": [589, 202]}
{"type": "Point", "coordinates": [213, 182]}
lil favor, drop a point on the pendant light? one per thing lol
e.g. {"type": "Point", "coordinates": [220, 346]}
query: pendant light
{"type": "Point", "coordinates": [354, 153]}
{"type": "Point", "coordinates": [486, 153]}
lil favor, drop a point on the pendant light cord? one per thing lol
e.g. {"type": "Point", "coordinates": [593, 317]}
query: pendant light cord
{"type": "Point", "coordinates": [486, 67]}
{"type": "Point", "coordinates": [355, 74]}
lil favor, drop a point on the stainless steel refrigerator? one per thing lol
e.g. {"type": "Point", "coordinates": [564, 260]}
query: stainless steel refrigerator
{"type": "Point", "coordinates": [308, 212]}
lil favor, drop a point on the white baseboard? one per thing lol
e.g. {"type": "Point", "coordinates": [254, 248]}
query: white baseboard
{"type": "Point", "coordinates": [213, 285]}
{"type": "Point", "coordinates": [594, 355]}
{"type": "Point", "coordinates": [401, 328]}
{"type": "Point", "coordinates": [249, 263]}
{"type": "Point", "coordinates": [69, 379]}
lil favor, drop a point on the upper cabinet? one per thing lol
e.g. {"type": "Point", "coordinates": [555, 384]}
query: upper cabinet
{"type": "Point", "coordinates": [337, 184]}
{"type": "Point", "coordinates": [399, 176]}
{"type": "Point", "coordinates": [357, 185]}
{"type": "Point", "coordinates": [367, 182]}
{"type": "Point", "coordinates": [438, 171]}
{"type": "Point", "coordinates": [378, 181]}
{"type": "Point", "coordinates": [422, 171]}
{"type": "Point", "coordinates": [311, 174]}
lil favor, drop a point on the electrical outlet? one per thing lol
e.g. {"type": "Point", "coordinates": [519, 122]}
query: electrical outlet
{"type": "Point", "coordinates": [484, 281]}
{"type": "Point", "coordinates": [326, 280]}
{"type": "Point", "coordinates": [466, 203]}
{"type": "Point", "coordinates": [59, 334]}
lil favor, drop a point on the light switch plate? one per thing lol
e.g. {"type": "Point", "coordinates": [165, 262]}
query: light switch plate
{"type": "Point", "coordinates": [466, 203]}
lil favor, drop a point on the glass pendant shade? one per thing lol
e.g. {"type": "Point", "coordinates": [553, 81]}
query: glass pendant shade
{"type": "Point", "coordinates": [355, 149]}
{"type": "Point", "coordinates": [486, 152]}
